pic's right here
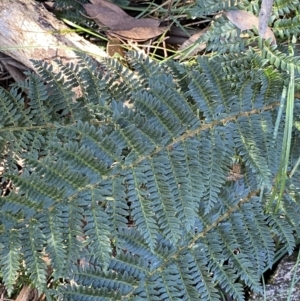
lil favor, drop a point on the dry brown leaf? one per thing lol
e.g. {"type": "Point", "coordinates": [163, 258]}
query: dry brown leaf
{"type": "Point", "coordinates": [102, 16]}
{"type": "Point", "coordinates": [120, 24]}
{"type": "Point", "coordinates": [111, 13]}
{"type": "Point", "coordinates": [114, 17]}
{"type": "Point", "coordinates": [131, 23]}
{"type": "Point", "coordinates": [235, 173]}
{"type": "Point", "coordinates": [138, 34]}
{"type": "Point", "coordinates": [128, 24]}
{"type": "Point", "coordinates": [110, 6]}
{"type": "Point", "coordinates": [244, 21]}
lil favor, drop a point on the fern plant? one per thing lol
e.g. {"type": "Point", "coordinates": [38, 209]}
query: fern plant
{"type": "Point", "coordinates": [223, 36]}
{"type": "Point", "coordinates": [128, 186]}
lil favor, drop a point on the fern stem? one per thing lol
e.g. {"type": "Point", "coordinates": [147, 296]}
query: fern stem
{"type": "Point", "coordinates": [280, 111]}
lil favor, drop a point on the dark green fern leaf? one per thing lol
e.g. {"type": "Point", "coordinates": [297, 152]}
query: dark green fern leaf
{"type": "Point", "coordinates": [128, 186]}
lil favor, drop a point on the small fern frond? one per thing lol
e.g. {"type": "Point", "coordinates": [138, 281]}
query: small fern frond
{"type": "Point", "coordinates": [250, 6]}
{"type": "Point", "coordinates": [224, 37]}
{"type": "Point", "coordinates": [10, 258]}
{"type": "Point", "coordinates": [286, 28]}
{"type": "Point", "coordinates": [32, 240]}
{"type": "Point", "coordinates": [283, 7]}
{"type": "Point", "coordinates": [283, 230]}
{"type": "Point", "coordinates": [201, 8]}
{"type": "Point", "coordinates": [60, 94]}
{"type": "Point", "coordinates": [53, 230]}
{"type": "Point", "coordinates": [281, 60]}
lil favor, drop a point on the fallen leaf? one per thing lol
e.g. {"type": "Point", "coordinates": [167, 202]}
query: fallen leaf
{"type": "Point", "coordinates": [139, 33]}
{"type": "Point", "coordinates": [109, 5]}
{"type": "Point", "coordinates": [128, 24]}
{"type": "Point", "coordinates": [105, 16]}
{"type": "Point", "coordinates": [121, 24]}
{"type": "Point", "coordinates": [244, 21]}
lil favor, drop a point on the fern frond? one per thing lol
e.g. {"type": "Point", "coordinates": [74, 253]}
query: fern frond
{"type": "Point", "coordinates": [281, 60]}
{"type": "Point", "coordinates": [33, 240]}
{"type": "Point", "coordinates": [286, 28]}
{"type": "Point", "coordinates": [10, 258]}
{"type": "Point", "coordinates": [211, 6]}
{"type": "Point", "coordinates": [129, 189]}
{"type": "Point", "coordinates": [224, 37]}
{"type": "Point", "coordinates": [260, 246]}
{"type": "Point", "coordinates": [284, 7]}
{"type": "Point", "coordinates": [283, 230]}
{"type": "Point", "coordinates": [53, 230]}
{"type": "Point", "coordinates": [250, 6]}
{"type": "Point", "coordinates": [60, 94]}
{"type": "Point", "coordinates": [73, 217]}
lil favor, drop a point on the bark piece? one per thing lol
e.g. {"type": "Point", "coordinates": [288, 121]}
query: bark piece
{"type": "Point", "coordinates": [29, 31]}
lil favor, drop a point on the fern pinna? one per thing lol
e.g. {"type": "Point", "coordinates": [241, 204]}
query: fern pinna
{"type": "Point", "coordinates": [128, 186]}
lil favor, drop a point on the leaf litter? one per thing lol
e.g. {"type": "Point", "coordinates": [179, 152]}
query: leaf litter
{"type": "Point", "coordinates": [120, 24]}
